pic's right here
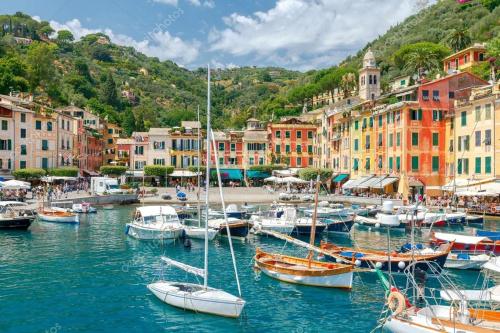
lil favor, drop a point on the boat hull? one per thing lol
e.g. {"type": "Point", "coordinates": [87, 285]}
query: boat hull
{"type": "Point", "coordinates": [302, 271]}
{"type": "Point", "coordinates": [306, 229]}
{"type": "Point", "coordinates": [339, 226]}
{"type": "Point", "coordinates": [20, 223]}
{"type": "Point", "coordinates": [138, 232]}
{"type": "Point", "coordinates": [59, 219]}
{"type": "Point", "coordinates": [193, 297]}
{"type": "Point", "coordinates": [237, 229]}
{"type": "Point", "coordinates": [199, 233]}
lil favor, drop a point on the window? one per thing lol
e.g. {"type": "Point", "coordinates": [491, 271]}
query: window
{"type": "Point", "coordinates": [435, 163]}
{"type": "Point", "coordinates": [45, 163]}
{"type": "Point", "coordinates": [414, 139]}
{"type": "Point", "coordinates": [287, 134]}
{"type": "Point", "coordinates": [278, 134]}
{"type": "Point", "coordinates": [435, 95]}
{"type": "Point", "coordinates": [310, 161]}
{"type": "Point", "coordinates": [391, 160]}
{"type": "Point", "coordinates": [398, 139]}
{"type": "Point", "coordinates": [49, 126]}
{"type": "Point", "coordinates": [287, 148]}
{"type": "Point", "coordinates": [487, 164]}
{"type": "Point", "coordinates": [466, 142]}
{"type": "Point", "coordinates": [45, 145]}
{"type": "Point", "coordinates": [371, 121]}
{"type": "Point", "coordinates": [355, 165]}
{"type": "Point", "coordinates": [110, 141]}
{"type": "Point", "coordinates": [233, 147]}
{"type": "Point", "coordinates": [435, 139]}
{"type": "Point", "coordinates": [478, 113]}
{"type": "Point", "coordinates": [251, 162]}
{"type": "Point", "coordinates": [299, 134]}
{"type": "Point", "coordinates": [299, 161]}
{"type": "Point", "coordinates": [477, 167]}
{"type": "Point", "coordinates": [380, 120]}
{"type": "Point", "coordinates": [391, 138]}
{"type": "Point", "coordinates": [278, 149]}
{"type": "Point", "coordinates": [159, 161]}
{"type": "Point", "coordinates": [487, 137]}
{"type": "Point", "coordinates": [356, 125]}
{"type": "Point", "coordinates": [437, 115]}
{"type": "Point", "coordinates": [221, 160]}
{"type": "Point", "coordinates": [416, 114]}
{"type": "Point", "coordinates": [261, 160]}
{"type": "Point", "coordinates": [380, 162]}
{"type": "Point", "coordinates": [463, 118]}
{"type": "Point", "coordinates": [5, 125]}
{"type": "Point", "coordinates": [367, 164]}
{"type": "Point", "coordinates": [367, 142]}
{"type": "Point", "coordinates": [23, 133]}
{"type": "Point", "coordinates": [398, 163]}
{"type": "Point", "coordinates": [110, 130]}
{"type": "Point", "coordinates": [356, 144]}
{"type": "Point", "coordinates": [22, 164]}
{"type": "Point", "coordinates": [487, 112]}
{"type": "Point", "coordinates": [414, 163]}
{"type": "Point", "coordinates": [38, 125]}
{"type": "Point", "coordinates": [478, 138]}
{"type": "Point", "coordinates": [465, 162]}
{"type": "Point", "coordinates": [380, 141]}
{"type": "Point", "coordinates": [425, 95]}
{"type": "Point", "coordinates": [309, 134]}
{"type": "Point", "coordinates": [221, 146]}
{"type": "Point", "coordinates": [364, 123]}
{"type": "Point", "coordinates": [23, 117]}
{"type": "Point", "coordinates": [402, 82]}
{"type": "Point", "coordinates": [310, 149]}
{"type": "Point", "coordinates": [451, 95]}
{"type": "Point", "coordinates": [370, 79]}
{"type": "Point", "coordinates": [139, 150]}
{"type": "Point", "coordinates": [23, 150]}
{"type": "Point", "coordinates": [299, 149]}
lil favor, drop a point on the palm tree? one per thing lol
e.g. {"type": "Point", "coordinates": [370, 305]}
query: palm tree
{"type": "Point", "coordinates": [421, 61]}
{"type": "Point", "coordinates": [348, 83]}
{"type": "Point", "coordinates": [459, 39]}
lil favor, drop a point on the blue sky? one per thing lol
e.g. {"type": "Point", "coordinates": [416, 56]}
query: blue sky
{"type": "Point", "coordinates": [296, 34]}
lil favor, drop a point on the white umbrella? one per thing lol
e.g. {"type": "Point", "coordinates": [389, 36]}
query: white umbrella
{"type": "Point", "coordinates": [15, 185]}
{"type": "Point", "coordinates": [293, 180]}
{"type": "Point", "coordinates": [271, 179]}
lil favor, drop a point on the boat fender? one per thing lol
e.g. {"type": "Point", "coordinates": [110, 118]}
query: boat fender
{"type": "Point", "coordinates": [127, 227]}
{"type": "Point", "coordinates": [331, 266]}
{"type": "Point", "coordinates": [378, 265]}
{"type": "Point", "coordinates": [357, 262]}
{"type": "Point", "coordinates": [396, 302]}
{"type": "Point", "coordinates": [401, 265]}
{"type": "Point", "coordinates": [377, 225]}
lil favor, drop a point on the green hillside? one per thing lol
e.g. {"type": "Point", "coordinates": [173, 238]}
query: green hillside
{"type": "Point", "coordinates": [139, 91]}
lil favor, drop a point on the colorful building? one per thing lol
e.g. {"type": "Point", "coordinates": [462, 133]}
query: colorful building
{"type": "Point", "coordinates": [185, 143]}
{"type": "Point", "coordinates": [159, 146]}
{"type": "Point", "coordinates": [139, 151]}
{"type": "Point", "coordinates": [111, 133]}
{"type": "Point", "coordinates": [292, 142]}
{"type": "Point", "coordinates": [463, 60]}
{"type": "Point", "coordinates": [123, 151]}
{"type": "Point", "coordinates": [255, 144]}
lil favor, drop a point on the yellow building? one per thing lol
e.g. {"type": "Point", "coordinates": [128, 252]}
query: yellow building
{"type": "Point", "coordinates": [185, 142]}
{"type": "Point", "coordinates": [111, 133]}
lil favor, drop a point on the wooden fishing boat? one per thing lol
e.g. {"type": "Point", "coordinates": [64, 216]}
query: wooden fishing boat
{"type": "Point", "coordinates": [58, 215]}
{"type": "Point", "coordinates": [304, 271]}
{"type": "Point", "coordinates": [372, 259]}
{"type": "Point", "coordinates": [467, 243]}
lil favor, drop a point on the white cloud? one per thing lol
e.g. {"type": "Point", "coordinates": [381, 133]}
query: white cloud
{"type": "Point", "coordinates": [167, 2]}
{"type": "Point", "coordinates": [159, 44]}
{"type": "Point", "coordinates": [308, 33]}
{"type": "Point", "coordinates": [206, 3]}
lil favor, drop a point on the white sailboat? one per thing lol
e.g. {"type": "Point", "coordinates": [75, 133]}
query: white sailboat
{"type": "Point", "coordinates": [201, 297]}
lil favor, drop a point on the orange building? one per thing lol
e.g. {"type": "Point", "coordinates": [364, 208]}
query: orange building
{"type": "Point", "coordinates": [465, 59]}
{"type": "Point", "coordinates": [292, 142]}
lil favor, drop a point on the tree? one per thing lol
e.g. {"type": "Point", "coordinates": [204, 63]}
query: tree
{"type": "Point", "coordinates": [29, 173]}
{"type": "Point", "coordinates": [493, 47]}
{"type": "Point", "coordinates": [312, 174]}
{"type": "Point", "coordinates": [109, 91]}
{"type": "Point", "coordinates": [46, 30]}
{"type": "Point", "coordinates": [490, 4]}
{"type": "Point", "coordinates": [40, 61]}
{"type": "Point", "coordinates": [63, 172]}
{"type": "Point", "coordinates": [158, 170]}
{"type": "Point", "coordinates": [113, 170]}
{"type": "Point", "coordinates": [128, 122]}
{"type": "Point", "coordinates": [420, 57]}
{"type": "Point", "coordinates": [65, 36]}
{"type": "Point", "coordinates": [459, 39]}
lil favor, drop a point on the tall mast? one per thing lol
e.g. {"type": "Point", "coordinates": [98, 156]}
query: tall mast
{"type": "Point", "coordinates": [198, 170]}
{"type": "Point", "coordinates": [314, 217]}
{"type": "Point", "coordinates": [207, 180]}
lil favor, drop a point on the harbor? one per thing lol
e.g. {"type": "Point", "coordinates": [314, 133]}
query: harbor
{"type": "Point", "coordinates": [67, 272]}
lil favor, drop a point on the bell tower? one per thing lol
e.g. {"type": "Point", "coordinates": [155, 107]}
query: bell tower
{"type": "Point", "coordinates": [369, 78]}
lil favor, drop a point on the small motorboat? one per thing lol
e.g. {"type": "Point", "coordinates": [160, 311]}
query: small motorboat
{"type": "Point", "coordinates": [59, 215]}
{"type": "Point", "coordinates": [193, 229]}
{"type": "Point", "coordinates": [421, 217]}
{"type": "Point", "coordinates": [83, 208]}
{"type": "Point", "coordinates": [467, 243]}
{"type": "Point", "coordinates": [474, 219]}
{"type": "Point", "coordinates": [285, 223]}
{"type": "Point", "coordinates": [233, 211]}
{"type": "Point", "coordinates": [384, 219]}
{"type": "Point", "coordinates": [466, 260]}
{"type": "Point", "coordinates": [155, 222]}
{"type": "Point", "coordinates": [334, 210]}
{"type": "Point", "coordinates": [304, 271]}
{"type": "Point", "coordinates": [238, 228]}
{"type": "Point", "coordinates": [15, 215]}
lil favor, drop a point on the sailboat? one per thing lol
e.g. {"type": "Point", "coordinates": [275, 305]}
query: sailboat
{"type": "Point", "coordinates": [193, 231]}
{"type": "Point", "coordinates": [305, 271]}
{"type": "Point", "coordinates": [201, 297]}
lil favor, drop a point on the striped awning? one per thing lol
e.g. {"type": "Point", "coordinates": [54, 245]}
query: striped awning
{"type": "Point", "coordinates": [385, 182]}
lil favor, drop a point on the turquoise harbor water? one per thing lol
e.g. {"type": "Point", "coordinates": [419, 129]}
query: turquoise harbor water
{"type": "Point", "coordinates": [92, 278]}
